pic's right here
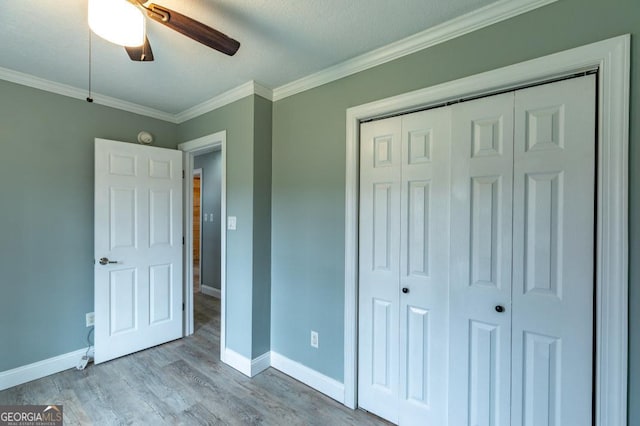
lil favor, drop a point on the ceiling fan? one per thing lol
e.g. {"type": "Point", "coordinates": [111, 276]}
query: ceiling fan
{"type": "Point", "coordinates": [183, 24]}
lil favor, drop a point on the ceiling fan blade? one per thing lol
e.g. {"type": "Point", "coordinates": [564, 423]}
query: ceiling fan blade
{"type": "Point", "coordinates": [141, 53]}
{"type": "Point", "coordinates": [193, 29]}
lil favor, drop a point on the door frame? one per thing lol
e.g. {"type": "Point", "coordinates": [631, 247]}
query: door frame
{"type": "Point", "coordinates": [612, 59]}
{"type": "Point", "coordinates": [197, 172]}
{"type": "Point", "coordinates": [203, 145]}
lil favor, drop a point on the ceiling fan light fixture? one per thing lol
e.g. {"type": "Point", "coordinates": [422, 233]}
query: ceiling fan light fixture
{"type": "Point", "coordinates": [117, 21]}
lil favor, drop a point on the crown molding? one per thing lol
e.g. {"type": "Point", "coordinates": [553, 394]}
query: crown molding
{"type": "Point", "coordinates": [472, 21]}
{"type": "Point", "coordinates": [488, 15]}
{"type": "Point", "coordinates": [74, 92]}
{"type": "Point", "coordinates": [263, 91]}
{"type": "Point", "coordinates": [242, 91]}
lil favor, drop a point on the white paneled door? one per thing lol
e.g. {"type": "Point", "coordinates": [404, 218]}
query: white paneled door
{"type": "Point", "coordinates": [138, 247]}
{"type": "Point", "coordinates": [379, 299]}
{"type": "Point", "coordinates": [553, 252]}
{"type": "Point", "coordinates": [481, 261]}
{"type": "Point", "coordinates": [404, 189]}
{"type": "Point", "coordinates": [476, 270]}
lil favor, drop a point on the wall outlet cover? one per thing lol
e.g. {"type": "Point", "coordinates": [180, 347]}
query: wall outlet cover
{"type": "Point", "coordinates": [90, 319]}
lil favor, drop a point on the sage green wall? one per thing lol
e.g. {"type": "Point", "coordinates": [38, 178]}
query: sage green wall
{"type": "Point", "coordinates": [262, 132]}
{"type": "Point", "coordinates": [248, 247]}
{"type": "Point", "coordinates": [309, 167]}
{"type": "Point", "coordinates": [46, 216]}
{"type": "Point", "coordinates": [237, 119]}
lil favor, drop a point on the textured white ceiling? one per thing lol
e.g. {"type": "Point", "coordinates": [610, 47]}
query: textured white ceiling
{"type": "Point", "coordinates": [281, 41]}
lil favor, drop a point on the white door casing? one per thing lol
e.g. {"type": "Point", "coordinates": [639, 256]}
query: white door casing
{"type": "Point", "coordinates": [138, 225]}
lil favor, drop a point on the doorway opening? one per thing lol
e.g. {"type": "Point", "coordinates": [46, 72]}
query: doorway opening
{"type": "Point", "coordinates": [212, 216]}
{"type": "Point", "coordinates": [206, 222]}
{"type": "Point", "coordinates": [197, 229]}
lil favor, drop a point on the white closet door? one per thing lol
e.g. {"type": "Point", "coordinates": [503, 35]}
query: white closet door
{"type": "Point", "coordinates": [553, 280]}
{"type": "Point", "coordinates": [378, 338]}
{"type": "Point", "coordinates": [481, 209]}
{"type": "Point", "coordinates": [476, 261]}
{"type": "Point", "coordinates": [404, 268]}
{"type": "Point", "coordinates": [424, 267]}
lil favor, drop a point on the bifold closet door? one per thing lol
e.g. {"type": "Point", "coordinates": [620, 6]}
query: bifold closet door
{"type": "Point", "coordinates": [403, 292]}
{"type": "Point", "coordinates": [476, 251]}
{"type": "Point", "coordinates": [553, 252]}
{"type": "Point", "coordinates": [522, 283]}
{"type": "Point", "coordinates": [379, 272]}
{"type": "Point", "coordinates": [424, 271]}
{"type": "Point", "coordinates": [481, 210]}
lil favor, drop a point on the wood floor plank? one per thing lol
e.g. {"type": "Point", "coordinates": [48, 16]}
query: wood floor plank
{"type": "Point", "coordinates": [184, 383]}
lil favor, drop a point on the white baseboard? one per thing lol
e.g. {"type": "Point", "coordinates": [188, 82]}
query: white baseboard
{"type": "Point", "coordinates": [261, 363]}
{"type": "Point", "coordinates": [328, 386]}
{"type": "Point", "coordinates": [237, 361]}
{"type": "Point", "coordinates": [40, 369]}
{"type": "Point", "coordinates": [210, 291]}
{"type": "Point", "coordinates": [250, 368]}
{"type": "Point", "coordinates": [244, 365]}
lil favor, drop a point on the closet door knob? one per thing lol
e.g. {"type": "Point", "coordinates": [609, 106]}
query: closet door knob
{"type": "Point", "coordinates": [405, 290]}
{"type": "Point", "coordinates": [499, 308]}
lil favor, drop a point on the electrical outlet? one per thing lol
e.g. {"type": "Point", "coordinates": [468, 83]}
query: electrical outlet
{"type": "Point", "coordinates": [314, 339]}
{"type": "Point", "coordinates": [231, 223]}
{"type": "Point", "coordinates": [90, 319]}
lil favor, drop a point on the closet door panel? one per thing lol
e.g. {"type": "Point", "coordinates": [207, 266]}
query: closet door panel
{"type": "Point", "coordinates": [553, 286]}
{"type": "Point", "coordinates": [424, 270]}
{"type": "Point", "coordinates": [379, 271]}
{"type": "Point", "coordinates": [481, 207]}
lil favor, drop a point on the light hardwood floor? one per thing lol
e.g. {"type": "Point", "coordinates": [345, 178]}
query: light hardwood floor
{"type": "Point", "coordinates": [184, 383]}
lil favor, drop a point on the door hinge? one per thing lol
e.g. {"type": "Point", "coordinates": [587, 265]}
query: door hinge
{"type": "Point", "coordinates": [182, 240]}
{"type": "Point", "coordinates": [183, 174]}
{"type": "Point", "coordinates": [183, 306]}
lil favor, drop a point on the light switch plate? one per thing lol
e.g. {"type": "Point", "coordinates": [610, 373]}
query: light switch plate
{"type": "Point", "coordinates": [231, 223]}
